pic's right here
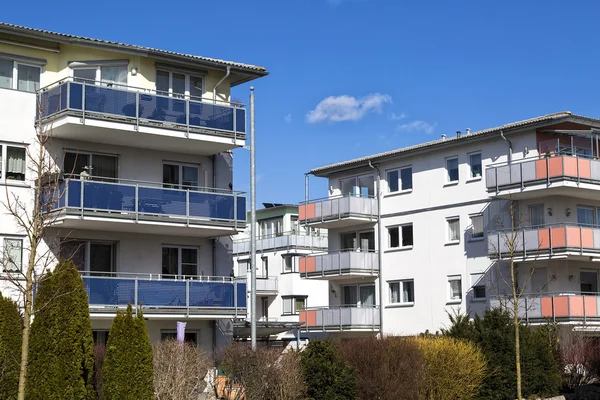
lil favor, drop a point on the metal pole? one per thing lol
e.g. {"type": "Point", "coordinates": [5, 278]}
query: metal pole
{"type": "Point", "coordinates": [252, 225]}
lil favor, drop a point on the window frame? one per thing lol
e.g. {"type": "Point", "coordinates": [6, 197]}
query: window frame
{"type": "Point", "coordinates": [447, 171]}
{"type": "Point", "coordinates": [3, 239]}
{"type": "Point", "coordinates": [473, 238]}
{"type": "Point", "coordinates": [449, 239]}
{"type": "Point", "coordinates": [4, 163]}
{"type": "Point", "coordinates": [16, 61]}
{"type": "Point", "coordinates": [188, 75]}
{"type": "Point", "coordinates": [294, 264]}
{"type": "Point", "coordinates": [97, 67]}
{"type": "Point", "coordinates": [471, 177]}
{"type": "Point", "coordinates": [543, 208]}
{"type": "Point", "coordinates": [400, 227]}
{"type": "Point", "coordinates": [475, 278]}
{"type": "Point", "coordinates": [399, 180]}
{"type": "Point", "coordinates": [90, 155]}
{"type": "Point", "coordinates": [180, 185]}
{"type": "Point", "coordinates": [87, 250]}
{"type": "Point", "coordinates": [293, 299]}
{"type": "Point", "coordinates": [180, 262]}
{"type": "Point", "coordinates": [454, 278]}
{"type": "Point", "coordinates": [357, 286]}
{"type": "Point", "coordinates": [400, 302]}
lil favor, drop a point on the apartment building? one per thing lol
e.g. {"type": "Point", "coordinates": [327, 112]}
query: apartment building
{"type": "Point", "coordinates": [281, 293]}
{"type": "Point", "coordinates": [141, 141]}
{"type": "Point", "coordinates": [426, 230]}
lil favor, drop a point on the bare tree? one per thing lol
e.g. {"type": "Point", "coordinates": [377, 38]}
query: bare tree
{"type": "Point", "coordinates": [33, 216]}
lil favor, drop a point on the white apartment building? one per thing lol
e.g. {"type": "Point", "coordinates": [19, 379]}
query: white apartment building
{"type": "Point", "coordinates": [424, 229]}
{"type": "Point", "coordinates": [281, 293]}
{"type": "Point", "coordinates": [141, 139]}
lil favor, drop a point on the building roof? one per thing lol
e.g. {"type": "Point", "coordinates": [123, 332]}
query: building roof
{"type": "Point", "coordinates": [555, 117]}
{"type": "Point", "coordinates": [254, 70]}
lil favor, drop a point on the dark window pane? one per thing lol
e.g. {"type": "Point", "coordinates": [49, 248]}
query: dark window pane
{"type": "Point", "coordinates": [162, 82]}
{"type": "Point", "coordinates": [101, 257]}
{"type": "Point", "coordinates": [74, 163]}
{"type": "Point", "coordinates": [452, 167]}
{"type": "Point", "coordinates": [392, 178]}
{"type": "Point", "coordinates": [169, 260]}
{"type": "Point", "coordinates": [74, 251]}
{"type": "Point", "coordinates": [171, 176]}
{"type": "Point", "coordinates": [479, 292]}
{"type": "Point", "coordinates": [407, 235]}
{"type": "Point", "coordinates": [406, 177]}
{"type": "Point", "coordinates": [394, 237]}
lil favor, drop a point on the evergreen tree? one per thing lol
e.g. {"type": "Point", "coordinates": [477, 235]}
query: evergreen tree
{"type": "Point", "coordinates": [11, 326]}
{"type": "Point", "coordinates": [61, 346]}
{"type": "Point", "coordinates": [326, 374]}
{"type": "Point", "coordinates": [127, 372]}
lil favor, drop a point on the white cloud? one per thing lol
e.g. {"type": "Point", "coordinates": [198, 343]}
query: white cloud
{"type": "Point", "coordinates": [397, 117]}
{"type": "Point", "coordinates": [418, 126]}
{"type": "Point", "coordinates": [347, 108]}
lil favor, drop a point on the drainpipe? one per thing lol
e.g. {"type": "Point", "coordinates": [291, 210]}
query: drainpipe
{"type": "Point", "coordinates": [219, 83]}
{"type": "Point", "coordinates": [379, 252]}
{"type": "Point", "coordinates": [510, 147]}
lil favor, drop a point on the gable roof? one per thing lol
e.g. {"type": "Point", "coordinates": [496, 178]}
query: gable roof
{"type": "Point", "coordinates": [254, 71]}
{"type": "Point", "coordinates": [357, 162]}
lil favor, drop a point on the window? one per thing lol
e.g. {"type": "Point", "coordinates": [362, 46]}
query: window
{"type": "Point", "coordinates": [358, 295]}
{"type": "Point", "coordinates": [13, 168]}
{"type": "Point", "coordinates": [401, 236]}
{"type": "Point", "coordinates": [293, 304]}
{"type": "Point", "coordinates": [475, 165]}
{"type": "Point", "coordinates": [243, 268]}
{"type": "Point", "coordinates": [476, 226]}
{"type": "Point", "coordinates": [536, 215]}
{"type": "Point", "coordinates": [12, 257]}
{"type": "Point", "coordinates": [100, 337]}
{"type": "Point", "coordinates": [363, 186]}
{"type": "Point", "coordinates": [288, 263]}
{"type": "Point", "coordinates": [452, 169]}
{"type": "Point", "coordinates": [188, 337]}
{"type": "Point", "coordinates": [89, 255]}
{"type": "Point", "coordinates": [453, 229]}
{"type": "Point", "coordinates": [181, 176]}
{"type": "Point", "coordinates": [455, 288]}
{"type": "Point", "coordinates": [478, 285]}
{"type": "Point", "coordinates": [399, 179]}
{"type": "Point", "coordinates": [402, 292]}
{"type": "Point", "coordinates": [179, 84]}
{"type": "Point", "coordinates": [586, 216]}
{"type": "Point", "coordinates": [100, 167]}
{"type": "Point", "coordinates": [263, 271]}
{"type": "Point", "coordinates": [179, 261]}
{"type": "Point", "coordinates": [109, 74]}
{"type": "Point", "coordinates": [16, 75]}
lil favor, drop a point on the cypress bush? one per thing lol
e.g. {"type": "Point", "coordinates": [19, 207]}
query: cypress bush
{"type": "Point", "coordinates": [61, 360]}
{"type": "Point", "coordinates": [11, 327]}
{"type": "Point", "coordinates": [127, 373]}
{"type": "Point", "coordinates": [327, 375]}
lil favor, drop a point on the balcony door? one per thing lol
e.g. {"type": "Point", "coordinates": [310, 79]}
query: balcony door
{"type": "Point", "coordinates": [366, 240]}
{"type": "Point", "coordinates": [181, 176]}
{"type": "Point", "coordinates": [362, 186]}
{"type": "Point", "coordinates": [536, 215]}
{"type": "Point", "coordinates": [101, 167]}
{"type": "Point", "coordinates": [588, 281]}
{"type": "Point", "coordinates": [359, 295]}
{"type": "Point", "coordinates": [90, 256]}
{"type": "Point", "coordinates": [179, 262]}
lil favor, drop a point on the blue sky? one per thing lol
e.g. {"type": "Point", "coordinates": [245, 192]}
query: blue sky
{"type": "Point", "coordinates": [354, 77]}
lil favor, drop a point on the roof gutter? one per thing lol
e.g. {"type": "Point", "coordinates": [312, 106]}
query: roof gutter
{"type": "Point", "coordinates": [379, 250]}
{"type": "Point", "coordinates": [219, 83]}
{"type": "Point", "coordinates": [510, 146]}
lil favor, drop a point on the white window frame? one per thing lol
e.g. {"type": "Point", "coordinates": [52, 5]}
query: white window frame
{"type": "Point", "coordinates": [179, 258]}
{"type": "Point", "coordinates": [187, 75]}
{"type": "Point", "coordinates": [400, 283]}
{"type": "Point", "coordinates": [449, 239]}
{"type": "Point", "coordinates": [284, 268]}
{"type": "Point", "coordinates": [471, 177]}
{"type": "Point", "coordinates": [447, 171]}
{"type": "Point", "coordinates": [88, 250]}
{"type": "Point", "coordinates": [3, 256]}
{"type": "Point", "coordinates": [180, 165]}
{"type": "Point", "coordinates": [475, 278]}
{"type": "Point", "coordinates": [90, 155]}
{"type": "Point", "coordinates": [97, 66]}
{"type": "Point", "coordinates": [15, 73]}
{"type": "Point", "coordinates": [473, 238]}
{"type": "Point", "coordinates": [400, 236]}
{"type": "Point", "coordinates": [399, 171]}
{"type": "Point", "coordinates": [356, 187]}
{"type": "Point", "coordinates": [357, 286]}
{"type": "Point", "coordinates": [293, 309]}
{"type": "Point", "coordinates": [4, 163]}
{"type": "Point", "coordinates": [451, 299]}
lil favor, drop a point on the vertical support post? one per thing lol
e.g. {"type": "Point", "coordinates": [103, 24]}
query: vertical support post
{"type": "Point", "coordinates": [235, 296]}
{"type": "Point", "coordinates": [135, 295]}
{"type": "Point", "coordinates": [187, 206]}
{"type": "Point", "coordinates": [187, 297]}
{"type": "Point", "coordinates": [234, 122]}
{"type": "Point", "coordinates": [137, 202]}
{"type": "Point", "coordinates": [298, 338]}
{"type": "Point", "coordinates": [187, 118]}
{"type": "Point", "coordinates": [572, 147]}
{"type": "Point", "coordinates": [83, 102]}
{"type": "Point", "coordinates": [68, 86]}
{"type": "Point", "coordinates": [235, 200]}
{"type": "Point", "coordinates": [252, 224]}
{"type": "Point", "coordinates": [137, 111]}
{"type": "Point", "coordinates": [81, 198]}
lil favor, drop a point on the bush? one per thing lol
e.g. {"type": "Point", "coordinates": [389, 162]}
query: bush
{"type": "Point", "coordinates": [387, 369]}
{"type": "Point", "coordinates": [262, 374]}
{"type": "Point", "coordinates": [61, 363]}
{"type": "Point", "coordinates": [179, 370]}
{"type": "Point", "coordinates": [453, 369]}
{"type": "Point", "coordinates": [579, 359]}
{"type": "Point", "coordinates": [11, 336]}
{"type": "Point", "coordinates": [127, 372]}
{"type": "Point", "coordinates": [327, 375]}
{"type": "Point", "coordinates": [99, 354]}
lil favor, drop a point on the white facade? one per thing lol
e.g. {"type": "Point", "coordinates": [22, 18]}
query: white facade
{"type": "Point", "coordinates": [437, 216]}
{"type": "Point", "coordinates": [151, 223]}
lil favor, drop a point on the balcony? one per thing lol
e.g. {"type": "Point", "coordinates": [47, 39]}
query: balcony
{"type": "Point", "coordinates": [340, 319]}
{"type": "Point", "coordinates": [339, 212]}
{"type": "Point", "coordinates": [266, 286]}
{"type": "Point", "coordinates": [147, 208]}
{"type": "Point", "coordinates": [136, 117]}
{"type": "Point", "coordinates": [340, 265]}
{"type": "Point", "coordinates": [556, 175]}
{"type": "Point", "coordinates": [557, 307]}
{"type": "Point", "coordinates": [549, 241]}
{"type": "Point", "coordinates": [162, 296]}
{"type": "Point", "coordinates": [282, 242]}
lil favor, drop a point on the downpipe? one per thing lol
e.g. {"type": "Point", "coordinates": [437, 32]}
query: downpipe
{"type": "Point", "coordinates": [510, 146]}
{"type": "Point", "coordinates": [379, 252]}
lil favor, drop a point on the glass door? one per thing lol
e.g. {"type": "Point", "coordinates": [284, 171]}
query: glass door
{"type": "Point", "coordinates": [536, 215]}
{"type": "Point", "coordinates": [265, 308]}
{"type": "Point", "coordinates": [367, 295]}
{"type": "Point", "coordinates": [589, 282]}
{"type": "Point", "coordinates": [349, 296]}
{"type": "Point", "coordinates": [102, 257]}
{"type": "Point", "coordinates": [366, 186]}
{"type": "Point", "coordinates": [348, 241]}
{"type": "Point", "coordinates": [367, 240]}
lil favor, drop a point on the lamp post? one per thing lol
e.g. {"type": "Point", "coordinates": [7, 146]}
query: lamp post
{"type": "Point", "coordinates": [252, 225]}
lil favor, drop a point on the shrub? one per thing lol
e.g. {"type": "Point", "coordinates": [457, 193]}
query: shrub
{"type": "Point", "coordinates": [11, 336]}
{"type": "Point", "coordinates": [579, 358]}
{"type": "Point", "coordinates": [386, 369]}
{"type": "Point", "coordinates": [453, 369]}
{"type": "Point", "coordinates": [179, 370]}
{"type": "Point", "coordinates": [327, 375]}
{"type": "Point", "coordinates": [61, 345]}
{"type": "Point", "coordinates": [99, 353]}
{"type": "Point", "coordinates": [127, 372]}
{"type": "Point", "coordinates": [262, 374]}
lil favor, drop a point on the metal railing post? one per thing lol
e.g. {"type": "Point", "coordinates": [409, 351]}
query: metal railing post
{"type": "Point", "coordinates": [580, 241]}
{"type": "Point", "coordinates": [187, 297]}
{"type": "Point", "coordinates": [553, 311]}
{"type": "Point", "coordinates": [83, 103]}
{"type": "Point", "coordinates": [81, 198]}
{"type": "Point", "coordinates": [137, 111]}
{"type": "Point", "coordinates": [235, 213]}
{"type": "Point", "coordinates": [578, 177]}
{"type": "Point", "coordinates": [234, 123]}
{"type": "Point", "coordinates": [496, 173]}
{"type": "Point", "coordinates": [135, 295]}
{"type": "Point", "coordinates": [187, 118]}
{"type": "Point", "coordinates": [187, 207]}
{"type": "Point", "coordinates": [66, 193]}
{"type": "Point", "coordinates": [547, 172]}
{"type": "Point", "coordinates": [137, 202]}
{"type": "Point", "coordinates": [521, 175]}
{"type": "Point", "coordinates": [584, 311]}
{"type": "Point", "coordinates": [235, 295]}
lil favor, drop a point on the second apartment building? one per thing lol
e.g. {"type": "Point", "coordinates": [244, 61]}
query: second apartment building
{"type": "Point", "coordinates": [424, 228]}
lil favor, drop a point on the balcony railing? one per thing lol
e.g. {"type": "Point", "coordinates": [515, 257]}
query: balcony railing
{"type": "Point", "coordinates": [159, 294]}
{"type": "Point", "coordinates": [338, 263]}
{"type": "Point", "coordinates": [286, 240]}
{"type": "Point", "coordinates": [538, 171]}
{"type": "Point", "coordinates": [547, 239]}
{"type": "Point", "coordinates": [564, 306]}
{"type": "Point", "coordinates": [268, 284]}
{"type": "Point", "coordinates": [146, 203]}
{"type": "Point", "coordinates": [341, 318]}
{"type": "Point", "coordinates": [139, 106]}
{"type": "Point", "coordinates": [336, 208]}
